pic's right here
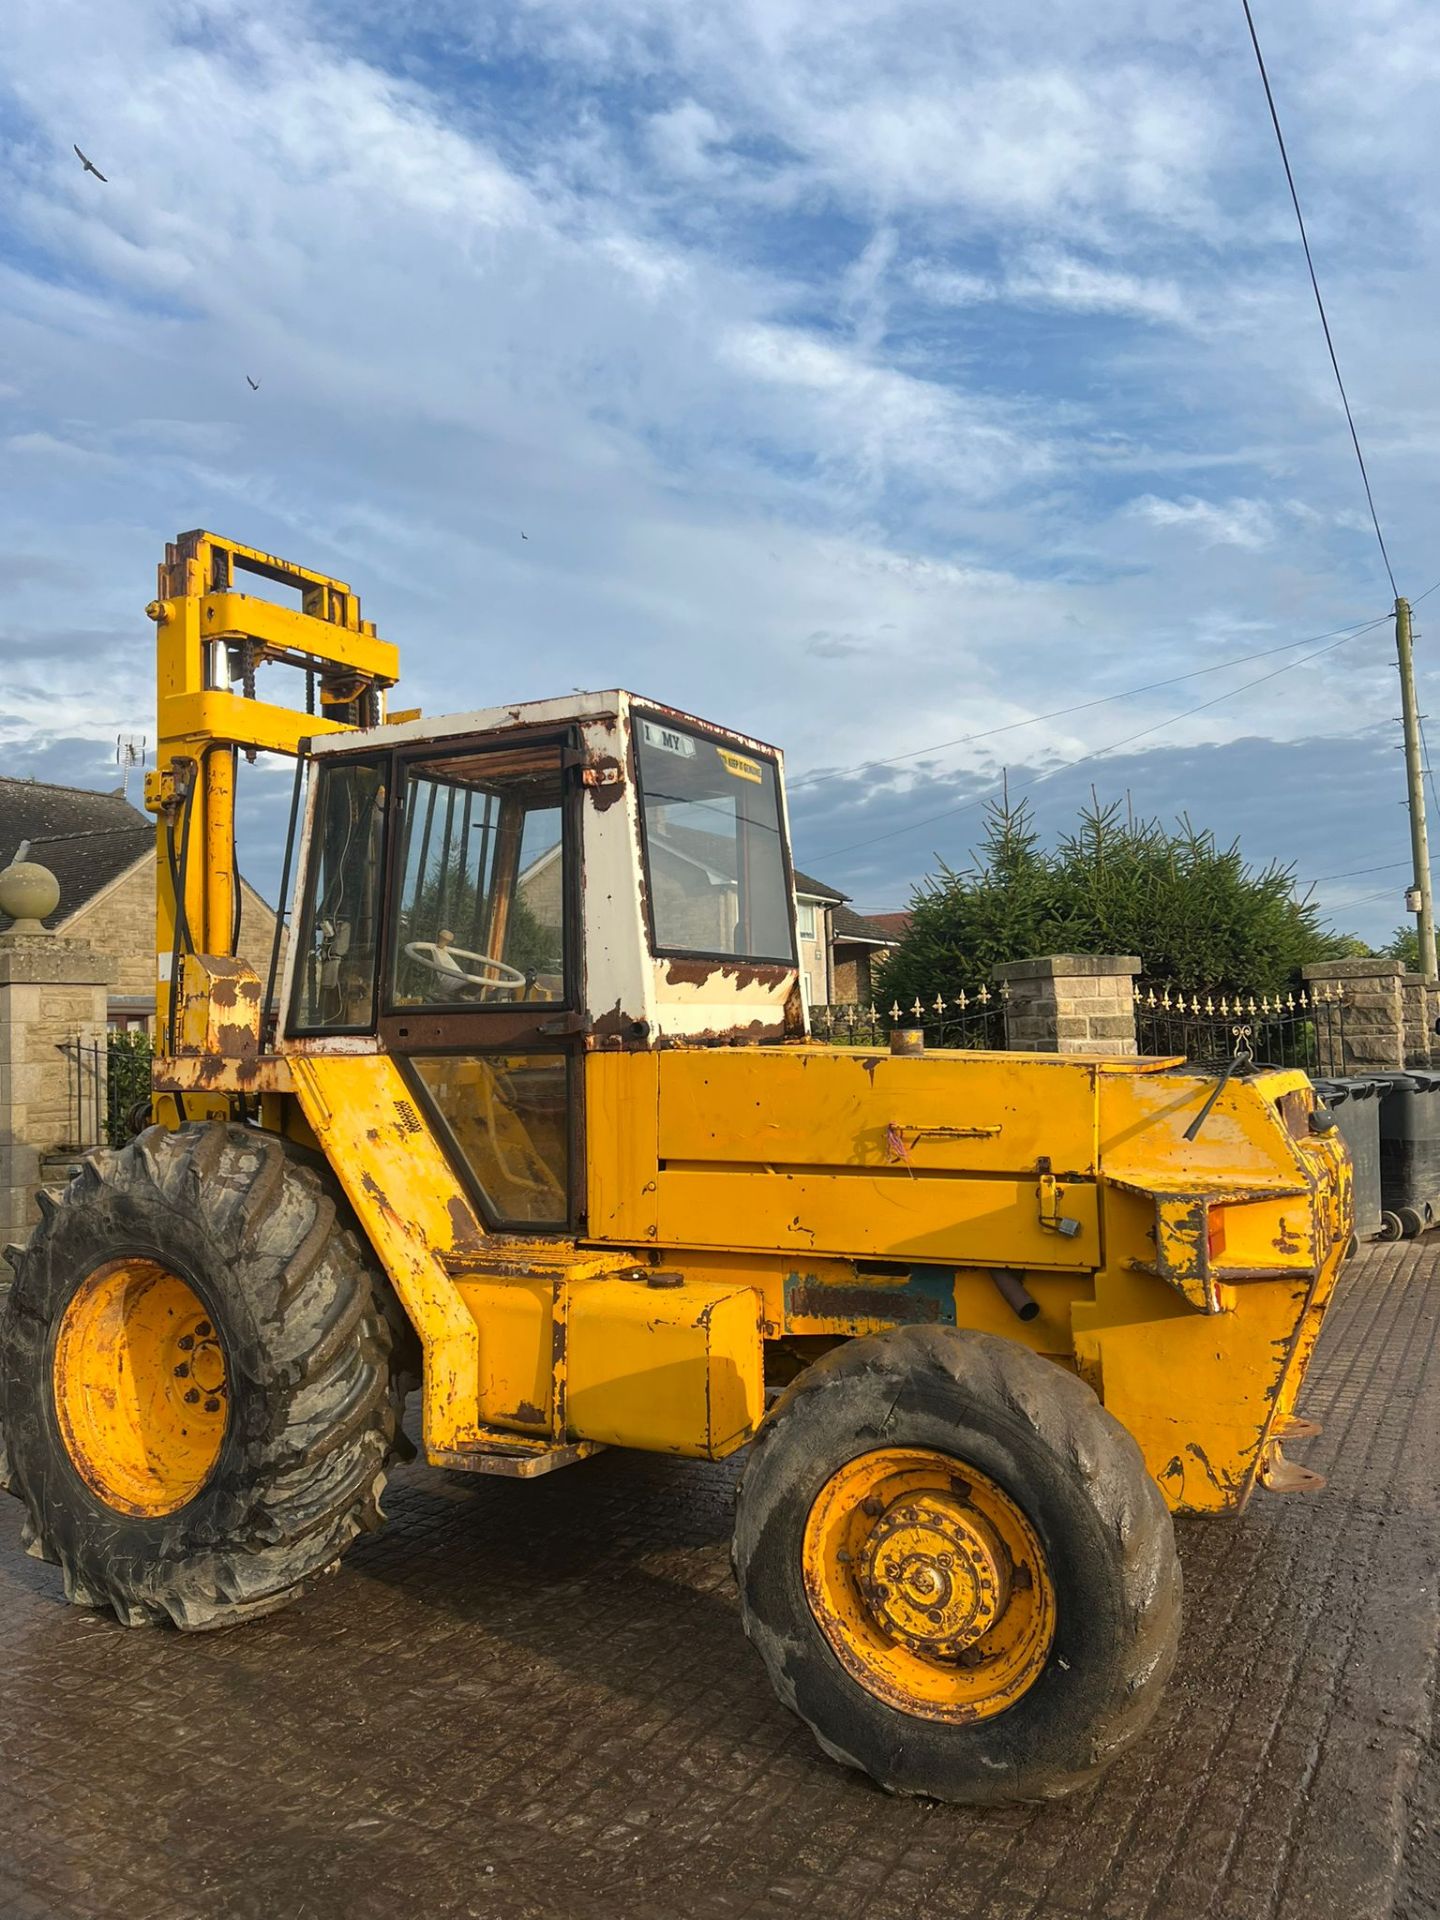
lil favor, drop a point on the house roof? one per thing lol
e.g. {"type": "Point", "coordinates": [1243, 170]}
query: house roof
{"type": "Point", "coordinates": [86, 839]}
{"type": "Point", "coordinates": [816, 889]}
{"type": "Point", "coordinates": [894, 926]}
{"type": "Point", "coordinates": [848, 928]}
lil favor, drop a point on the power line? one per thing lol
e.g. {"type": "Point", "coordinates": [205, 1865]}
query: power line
{"type": "Point", "coordinates": [1354, 873]}
{"type": "Point", "coordinates": [1420, 718]}
{"type": "Point", "coordinates": [1349, 906]}
{"type": "Point", "coordinates": [1350, 873]}
{"type": "Point", "coordinates": [1315, 284]}
{"type": "Point", "coordinates": [1425, 750]}
{"type": "Point", "coordinates": [1082, 706]}
{"type": "Point", "coordinates": [1128, 739]}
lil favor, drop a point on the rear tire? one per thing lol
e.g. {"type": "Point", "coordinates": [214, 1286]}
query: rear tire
{"type": "Point", "coordinates": [146, 1511]}
{"type": "Point", "coordinates": [1033, 1486]}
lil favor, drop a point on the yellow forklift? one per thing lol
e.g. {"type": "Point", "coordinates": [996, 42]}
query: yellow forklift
{"type": "Point", "coordinates": [526, 1121]}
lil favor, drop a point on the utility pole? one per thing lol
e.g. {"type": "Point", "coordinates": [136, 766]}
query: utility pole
{"type": "Point", "coordinates": [1415, 783]}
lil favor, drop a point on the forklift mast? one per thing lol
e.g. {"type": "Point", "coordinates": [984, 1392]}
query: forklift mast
{"type": "Point", "coordinates": [213, 641]}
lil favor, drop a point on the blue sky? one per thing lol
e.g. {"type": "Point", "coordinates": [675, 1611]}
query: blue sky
{"type": "Point", "coordinates": [868, 376]}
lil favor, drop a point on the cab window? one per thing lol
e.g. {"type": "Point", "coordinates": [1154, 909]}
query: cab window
{"type": "Point", "coordinates": [715, 866]}
{"type": "Point", "coordinates": [340, 923]}
{"type": "Point", "coordinates": [506, 1117]}
{"type": "Point", "coordinates": [483, 887]}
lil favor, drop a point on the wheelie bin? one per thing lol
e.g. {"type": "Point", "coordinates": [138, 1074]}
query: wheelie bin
{"type": "Point", "coordinates": [1410, 1151]}
{"type": "Point", "coordinates": [1355, 1103]}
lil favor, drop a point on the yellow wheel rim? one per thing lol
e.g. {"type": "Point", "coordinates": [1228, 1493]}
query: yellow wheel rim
{"type": "Point", "coordinates": [140, 1387]}
{"type": "Point", "coordinates": [929, 1583]}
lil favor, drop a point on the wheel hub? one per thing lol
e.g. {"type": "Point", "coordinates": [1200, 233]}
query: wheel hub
{"type": "Point", "coordinates": [929, 1582]}
{"type": "Point", "coordinates": [140, 1387]}
{"type": "Point", "coordinates": [933, 1574]}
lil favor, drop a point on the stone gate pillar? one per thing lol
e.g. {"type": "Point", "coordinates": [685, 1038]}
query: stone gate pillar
{"type": "Point", "coordinates": [52, 991]}
{"type": "Point", "coordinates": [1072, 1003]}
{"type": "Point", "coordinates": [1369, 1035]}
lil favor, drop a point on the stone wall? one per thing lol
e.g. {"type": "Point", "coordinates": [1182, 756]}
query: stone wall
{"type": "Point", "coordinates": [1072, 1003]}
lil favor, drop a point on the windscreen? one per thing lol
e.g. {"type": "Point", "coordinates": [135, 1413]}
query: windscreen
{"type": "Point", "coordinates": [714, 850]}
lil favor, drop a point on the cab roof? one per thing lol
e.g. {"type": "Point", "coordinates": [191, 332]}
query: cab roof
{"type": "Point", "coordinates": [612, 704]}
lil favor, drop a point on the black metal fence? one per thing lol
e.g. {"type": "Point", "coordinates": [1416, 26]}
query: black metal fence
{"type": "Point", "coordinates": [85, 1092]}
{"type": "Point", "coordinates": [106, 1081]}
{"type": "Point", "coordinates": [970, 1020]}
{"type": "Point", "coordinates": [1297, 1028]}
{"type": "Point", "coordinates": [1291, 1029]}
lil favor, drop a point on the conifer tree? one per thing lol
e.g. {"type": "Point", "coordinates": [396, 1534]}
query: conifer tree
{"type": "Point", "coordinates": [1195, 912]}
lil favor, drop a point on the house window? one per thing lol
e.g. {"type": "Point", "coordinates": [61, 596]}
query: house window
{"type": "Point", "coordinates": [805, 919]}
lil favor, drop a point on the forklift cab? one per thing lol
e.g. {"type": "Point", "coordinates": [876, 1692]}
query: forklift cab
{"type": "Point", "coordinates": [490, 896]}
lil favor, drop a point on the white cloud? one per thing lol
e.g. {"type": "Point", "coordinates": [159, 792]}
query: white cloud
{"type": "Point", "coordinates": [48, 446]}
{"type": "Point", "coordinates": [683, 139]}
{"type": "Point", "coordinates": [1050, 278]}
{"type": "Point", "coordinates": [1229, 523]}
{"type": "Point", "coordinates": [880, 419]}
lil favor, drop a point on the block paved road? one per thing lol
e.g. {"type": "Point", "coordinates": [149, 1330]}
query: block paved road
{"type": "Point", "coordinates": [518, 1702]}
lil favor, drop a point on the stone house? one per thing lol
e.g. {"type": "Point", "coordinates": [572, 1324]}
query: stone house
{"type": "Point", "coordinates": [101, 850]}
{"type": "Point", "coordinates": [838, 947]}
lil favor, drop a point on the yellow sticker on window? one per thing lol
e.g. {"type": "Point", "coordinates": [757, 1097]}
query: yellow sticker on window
{"type": "Point", "coordinates": [742, 768]}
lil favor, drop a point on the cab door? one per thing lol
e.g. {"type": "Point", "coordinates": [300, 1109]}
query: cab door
{"type": "Point", "coordinates": [480, 978]}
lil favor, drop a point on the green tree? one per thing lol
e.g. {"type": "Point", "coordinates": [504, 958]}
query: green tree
{"type": "Point", "coordinates": [1195, 911]}
{"type": "Point", "coordinates": [1404, 944]}
{"type": "Point", "coordinates": [127, 1083]}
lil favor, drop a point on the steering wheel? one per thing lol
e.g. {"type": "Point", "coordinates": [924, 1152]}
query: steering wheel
{"type": "Point", "coordinates": [500, 973]}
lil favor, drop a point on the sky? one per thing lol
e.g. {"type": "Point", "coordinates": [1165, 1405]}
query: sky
{"type": "Point", "coordinates": [883, 379]}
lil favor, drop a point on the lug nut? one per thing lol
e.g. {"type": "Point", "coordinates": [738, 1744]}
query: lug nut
{"type": "Point", "coordinates": [192, 1396]}
{"type": "Point", "coordinates": [212, 1406]}
{"type": "Point", "coordinates": [182, 1370]}
{"type": "Point", "coordinates": [185, 1342]}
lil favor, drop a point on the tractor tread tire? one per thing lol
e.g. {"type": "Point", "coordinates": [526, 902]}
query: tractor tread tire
{"type": "Point", "coordinates": [1041, 1434]}
{"type": "Point", "coordinates": [313, 1345]}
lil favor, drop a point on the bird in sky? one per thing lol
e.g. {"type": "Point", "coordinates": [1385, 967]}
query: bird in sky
{"type": "Point", "coordinates": [253, 384]}
{"type": "Point", "coordinates": [523, 534]}
{"type": "Point", "coordinates": [89, 165]}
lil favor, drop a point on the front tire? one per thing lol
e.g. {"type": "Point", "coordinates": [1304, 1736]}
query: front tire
{"type": "Point", "coordinates": [198, 1382]}
{"type": "Point", "coordinates": [956, 1568]}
